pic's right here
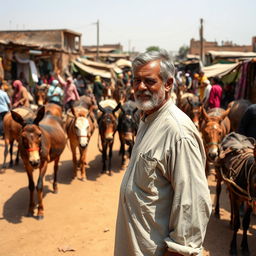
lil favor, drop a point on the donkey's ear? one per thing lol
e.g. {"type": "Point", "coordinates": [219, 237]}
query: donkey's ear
{"type": "Point", "coordinates": [121, 107]}
{"type": "Point", "coordinates": [116, 108]}
{"type": "Point", "coordinates": [101, 108]}
{"type": "Point", "coordinates": [17, 118]}
{"type": "Point", "coordinates": [134, 111]}
{"type": "Point", "coordinates": [225, 114]}
{"type": "Point", "coordinates": [205, 115]}
{"type": "Point", "coordinates": [39, 116]}
{"type": "Point", "coordinates": [189, 102]}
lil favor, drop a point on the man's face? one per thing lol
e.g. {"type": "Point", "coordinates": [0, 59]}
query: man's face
{"type": "Point", "coordinates": [149, 89]}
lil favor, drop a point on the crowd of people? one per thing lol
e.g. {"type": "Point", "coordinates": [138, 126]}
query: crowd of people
{"type": "Point", "coordinates": [210, 91]}
{"type": "Point", "coordinates": [61, 91]}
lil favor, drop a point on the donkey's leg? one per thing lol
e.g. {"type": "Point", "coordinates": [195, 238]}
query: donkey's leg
{"type": "Point", "coordinates": [39, 188]}
{"type": "Point", "coordinates": [122, 152]}
{"type": "Point", "coordinates": [17, 157]}
{"type": "Point", "coordinates": [11, 152]}
{"type": "Point", "coordinates": [83, 153]}
{"type": "Point", "coordinates": [104, 157]}
{"type": "Point", "coordinates": [73, 149]}
{"type": "Point", "coordinates": [56, 167]}
{"type": "Point", "coordinates": [31, 186]}
{"type": "Point", "coordinates": [236, 205]}
{"type": "Point", "coordinates": [110, 158]}
{"type": "Point", "coordinates": [246, 223]}
{"type": "Point", "coordinates": [6, 143]}
{"type": "Point", "coordinates": [218, 191]}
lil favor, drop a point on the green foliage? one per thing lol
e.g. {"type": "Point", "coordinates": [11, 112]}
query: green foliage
{"type": "Point", "coordinates": [152, 48]}
{"type": "Point", "coordinates": [183, 51]}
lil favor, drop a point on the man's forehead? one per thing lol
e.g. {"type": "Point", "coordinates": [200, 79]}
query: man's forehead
{"type": "Point", "coordinates": [151, 68]}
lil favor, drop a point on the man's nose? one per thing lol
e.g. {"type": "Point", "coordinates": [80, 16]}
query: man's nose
{"type": "Point", "coordinates": [141, 86]}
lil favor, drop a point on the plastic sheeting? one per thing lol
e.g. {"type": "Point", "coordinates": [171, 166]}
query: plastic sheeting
{"type": "Point", "coordinates": [93, 71]}
{"type": "Point", "coordinates": [219, 70]}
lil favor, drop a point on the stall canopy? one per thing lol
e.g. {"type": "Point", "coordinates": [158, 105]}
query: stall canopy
{"type": "Point", "coordinates": [229, 54]}
{"type": "Point", "coordinates": [121, 63]}
{"type": "Point", "coordinates": [219, 70]}
{"type": "Point", "coordinates": [97, 68]}
{"type": "Point", "coordinates": [93, 71]}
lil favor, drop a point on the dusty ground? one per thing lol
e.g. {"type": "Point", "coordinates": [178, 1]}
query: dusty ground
{"type": "Point", "coordinates": [82, 216]}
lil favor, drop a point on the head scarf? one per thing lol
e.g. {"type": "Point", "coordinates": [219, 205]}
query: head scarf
{"type": "Point", "coordinates": [17, 84]}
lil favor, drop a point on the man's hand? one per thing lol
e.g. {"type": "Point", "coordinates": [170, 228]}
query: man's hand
{"type": "Point", "coordinates": [168, 253]}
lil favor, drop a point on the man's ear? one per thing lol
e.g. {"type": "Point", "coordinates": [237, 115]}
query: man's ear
{"type": "Point", "coordinates": [169, 83]}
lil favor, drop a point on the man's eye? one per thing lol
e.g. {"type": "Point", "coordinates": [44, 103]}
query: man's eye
{"type": "Point", "coordinates": [149, 81]}
{"type": "Point", "coordinates": [136, 81]}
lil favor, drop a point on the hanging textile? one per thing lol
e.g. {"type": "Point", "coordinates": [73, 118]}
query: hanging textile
{"type": "Point", "coordinates": [33, 70]}
{"type": "Point", "coordinates": [1, 70]}
{"type": "Point", "coordinates": [241, 88]}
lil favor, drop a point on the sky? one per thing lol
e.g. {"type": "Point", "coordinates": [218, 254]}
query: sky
{"type": "Point", "coordinates": [137, 24]}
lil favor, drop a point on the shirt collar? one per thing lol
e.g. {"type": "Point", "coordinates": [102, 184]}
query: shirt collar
{"type": "Point", "coordinates": [148, 118]}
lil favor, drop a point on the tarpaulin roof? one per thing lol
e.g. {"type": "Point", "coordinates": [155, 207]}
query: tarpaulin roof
{"type": "Point", "coordinates": [227, 54]}
{"type": "Point", "coordinates": [219, 70]}
{"type": "Point", "coordinates": [100, 65]}
{"type": "Point", "coordinates": [93, 71]}
{"type": "Point", "coordinates": [123, 63]}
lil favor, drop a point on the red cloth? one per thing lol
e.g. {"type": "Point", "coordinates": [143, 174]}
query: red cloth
{"type": "Point", "coordinates": [215, 96]}
{"type": "Point", "coordinates": [17, 85]}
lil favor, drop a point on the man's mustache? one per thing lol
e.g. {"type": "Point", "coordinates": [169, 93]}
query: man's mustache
{"type": "Point", "coordinates": [146, 93]}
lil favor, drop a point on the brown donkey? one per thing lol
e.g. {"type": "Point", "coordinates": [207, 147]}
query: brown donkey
{"type": "Point", "coordinates": [11, 132]}
{"type": "Point", "coordinates": [79, 127]}
{"type": "Point", "coordinates": [214, 127]}
{"type": "Point", "coordinates": [38, 145]}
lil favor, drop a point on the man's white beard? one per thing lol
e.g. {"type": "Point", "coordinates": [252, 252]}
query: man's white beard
{"type": "Point", "coordinates": [155, 100]}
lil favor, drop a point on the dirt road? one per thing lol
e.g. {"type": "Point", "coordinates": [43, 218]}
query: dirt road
{"type": "Point", "coordinates": [81, 217]}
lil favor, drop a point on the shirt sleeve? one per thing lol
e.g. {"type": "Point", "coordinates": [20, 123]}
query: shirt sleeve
{"type": "Point", "coordinates": [7, 99]}
{"type": "Point", "coordinates": [61, 81]}
{"type": "Point", "coordinates": [76, 93]}
{"type": "Point", "coordinates": [191, 205]}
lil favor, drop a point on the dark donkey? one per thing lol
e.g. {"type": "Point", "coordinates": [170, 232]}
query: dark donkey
{"type": "Point", "coordinates": [38, 145]}
{"type": "Point", "coordinates": [107, 123]}
{"type": "Point", "coordinates": [127, 128]}
{"type": "Point", "coordinates": [238, 170]}
{"type": "Point", "coordinates": [215, 126]}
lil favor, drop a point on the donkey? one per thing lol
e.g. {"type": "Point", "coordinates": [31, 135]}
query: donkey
{"type": "Point", "coordinates": [38, 145]}
{"type": "Point", "coordinates": [238, 170]}
{"type": "Point", "coordinates": [127, 128]}
{"type": "Point", "coordinates": [11, 132]}
{"type": "Point", "coordinates": [214, 127]}
{"type": "Point", "coordinates": [192, 106]}
{"type": "Point", "coordinates": [41, 94]}
{"type": "Point", "coordinates": [80, 128]}
{"type": "Point", "coordinates": [107, 123]}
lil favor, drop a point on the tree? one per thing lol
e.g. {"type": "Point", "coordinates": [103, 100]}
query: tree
{"type": "Point", "coordinates": [152, 48]}
{"type": "Point", "coordinates": [183, 51]}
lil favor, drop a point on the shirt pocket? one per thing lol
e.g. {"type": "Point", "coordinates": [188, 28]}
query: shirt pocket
{"type": "Point", "coordinates": [145, 174]}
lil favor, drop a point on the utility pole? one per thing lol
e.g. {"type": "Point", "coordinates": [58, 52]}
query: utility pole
{"type": "Point", "coordinates": [201, 33]}
{"type": "Point", "coordinates": [98, 39]}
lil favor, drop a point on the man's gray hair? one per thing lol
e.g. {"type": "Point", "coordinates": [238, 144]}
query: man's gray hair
{"type": "Point", "coordinates": [167, 68]}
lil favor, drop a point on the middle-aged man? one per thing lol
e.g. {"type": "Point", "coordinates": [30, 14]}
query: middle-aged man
{"type": "Point", "coordinates": [164, 204]}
